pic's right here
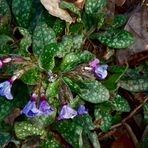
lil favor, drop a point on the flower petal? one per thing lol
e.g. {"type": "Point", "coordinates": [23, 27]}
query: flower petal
{"type": "Point", "coordinates": [1, 64]}
{"type": "Point", "coordinates": [94, 62]}
{"type": "Point", "coordinates": [45, 108]}
{"type": "Point", "coordinates": [67, 112]}
{"type": "Point", "coordinates": [5, 90]}
{"type": "Point", "coordinates": [101, 71]}
{"type": "Point", "coordinates": [31, 110]}
{"type": "Point", "coordinates": [82, 110]}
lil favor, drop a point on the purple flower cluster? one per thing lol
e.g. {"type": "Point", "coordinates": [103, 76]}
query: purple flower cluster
{"type": "Point", "coordinates": [99, 70]}
{"type": "Point", "coordinates": [5, 88]}
{"type": "Point", "coordinates": [31, 109]}
{"type": "Point", "coordinates": [68, 113]}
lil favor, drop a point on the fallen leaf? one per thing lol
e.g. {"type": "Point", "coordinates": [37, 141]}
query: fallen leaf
{"type": "Point", "coordinates": [137, 24]}
{"type": "Point", "coordinates": [120, 2]}
{"type": "Point", "coordinates": [53, 8]}
{"type": "Point", "coordinates": [11, 117]}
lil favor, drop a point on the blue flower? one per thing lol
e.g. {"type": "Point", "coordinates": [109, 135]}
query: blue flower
{"type": "Point", "coordinates": [67, 112]}
{"type": "Point", "coordinates": [101, 71]}
{"type": "Point", "coordinates": [31, 110]}
{"type": "Point", "coordinates": [5, 90]}
{"type": "Point", "coordinates": [82, 110]}
{"type": "Point", "coordinates": [45, 108]}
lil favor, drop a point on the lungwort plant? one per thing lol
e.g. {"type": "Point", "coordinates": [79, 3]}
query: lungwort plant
{"type": "Point", "coordinates": [52, 88]}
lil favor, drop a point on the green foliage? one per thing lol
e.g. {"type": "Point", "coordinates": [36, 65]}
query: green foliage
{"type": "Point", "coordinates": [31, 76]}
{"type": "Point", "coordinates": [71, 60]}
{"type": "Point", "coordinates": [42, 36]}
{"type": "Point", "coordinates": [93, 91]}
{"type": "Point", "coordinates": [22, 10]}
{"type": "Point", "coordinates": [115, 38]}
{"type": "Point", "coordinates": [93, 6]}
{"type": "Point", "coordinates": [72, 135]}
{"type": "Point", "coordinates": [145, 109]}
{"type": "Point", "coordinates": [134, 85]}
{"type": "Point", "coordinates": [25, 129]}
{"type": "Point", "coordinates": [46, 59]}
{"type": "Point", "coordinates": [120, 104]}
{"type": "Point", "coordinates": [4, 138]}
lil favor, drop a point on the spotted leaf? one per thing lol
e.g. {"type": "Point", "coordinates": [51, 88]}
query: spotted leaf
{"type": "Point", "coordinates": [42, 36]}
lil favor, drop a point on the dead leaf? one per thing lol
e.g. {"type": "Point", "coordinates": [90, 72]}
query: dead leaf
{"type": "Point", "coordinates": [53, 8]}
{"type": "Point", "coordinates": [79, 3]}
{"type": "Point", "coordinates": [11, 117]}
{"type": "Point", "coordinates": [120, 2]}
{"type": "Point", "coordinates": [123, 142]}
{"type": "Point", "coordinates": [137, 24]}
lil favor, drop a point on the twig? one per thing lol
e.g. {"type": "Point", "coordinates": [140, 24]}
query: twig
{"type": "Point", "coordinates": [131, 134]}
{"type": "Point", "coordinates": [123, 122]}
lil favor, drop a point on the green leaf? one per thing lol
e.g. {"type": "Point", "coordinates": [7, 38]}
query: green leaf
{"type": "Point", "coordinates": [71, 60]}
{"type": "Point", "coordinates": [117, 69]}
{"type": "Point", "coordinates": [5, 17]}
{"type": "Point", "coordinates": [115, 38]}
{"type": "Point", "coordinates": [145, 109]}
{"type": "Point", "coordinates": [70, 131]}
{"type": "Point", "coordinates": [118, 21]}
{"type": "Point", "coordinates": [4, 39]}
{"type": "Point", "coordinates": [25, 42]}
{"type": "Point", "coordinates": [71, 7]}
{"type": "Point", "coordinates": [134, 85]}
{"type": "Point", "coordinates": [52, 89]}
{"type": "Point", "coordinates": [44, 120]}
{"type": "Point", "coordinates": [58, 26]}
{"type": "Point", "coordinates": [70, 44]}
{"type": "Point", "coordinates": [93, 6]}
{"type": "Point", "coordinates": [46, 59]}
{"type": "Point", "coordinates": [50, 142]}
{"type": "Point", "coordinates": [93, 91]}
{"type": "Point", "coordinates": [31, 76]}
{"type": "Point", "coordinates": [104, 118]}
{"type": "Point", "coordinates": [73, 86]}
{"type": "Point", "coordinates": [5, 107]}
{"type": "Point", "coordinates": [25, 129]}
{"type": "Point", "coordinates": [42, 36]}
{"type": "Point", "coordinates": [4, 138]}
{"type": "Point", "coordinates": [22, 10]}
{"type": "Point", "coordinates": [120, 104]}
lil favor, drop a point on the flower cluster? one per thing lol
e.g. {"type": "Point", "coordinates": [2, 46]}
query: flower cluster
{"type": "Point", "coordinates": [68, 113]}
{"type": "Point", "coordinates": [31, 109]}
{"type": "Point", "coordinates": [99, 70]}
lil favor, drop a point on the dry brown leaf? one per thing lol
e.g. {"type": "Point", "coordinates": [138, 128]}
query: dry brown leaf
{"type": "Point", "coordinates": [53, 8]}
{"type": "Point", "coordinates": [120, 2]}
{"type": "Point", "coordinates": [137, 24]}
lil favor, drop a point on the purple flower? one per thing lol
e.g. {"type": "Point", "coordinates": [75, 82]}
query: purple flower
{"type": "Point", "coordinates": [5, 90]}
{"type": "Point", "coordinates": [101, 71]}
{"type": "Point", "coordinates": [31, 110]}
{"type": "Point", "coordinates": [94, 63]}
{"type": "Point", "coordinates": [45, 108]}
{"type": "Point", "coordinates": [1, 64]}
{"type": "Point", "coordinates": [82, 110]}
{"type": "Point", "coordinates": [67, 112]}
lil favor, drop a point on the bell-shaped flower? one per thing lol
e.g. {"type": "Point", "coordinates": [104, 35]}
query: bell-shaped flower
{"type": "Point", "coordinates": [31, 110]}
{"type": "Point", "coordinates": [5, 89]}
{"type": "Point", "coordinates": [44, 106]}
{"type": "Point", "coordinates": [101, 71]}
{"type": "Point", "coordinates": [67, 112]}
{"type": "Point", "coordinates": [82, 110]}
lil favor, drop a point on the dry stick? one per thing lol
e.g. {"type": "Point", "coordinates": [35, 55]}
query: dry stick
{"type": "Point", "coordinates": [124, 120]}
{"type": "Point", "coordinates": [131, 134]}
